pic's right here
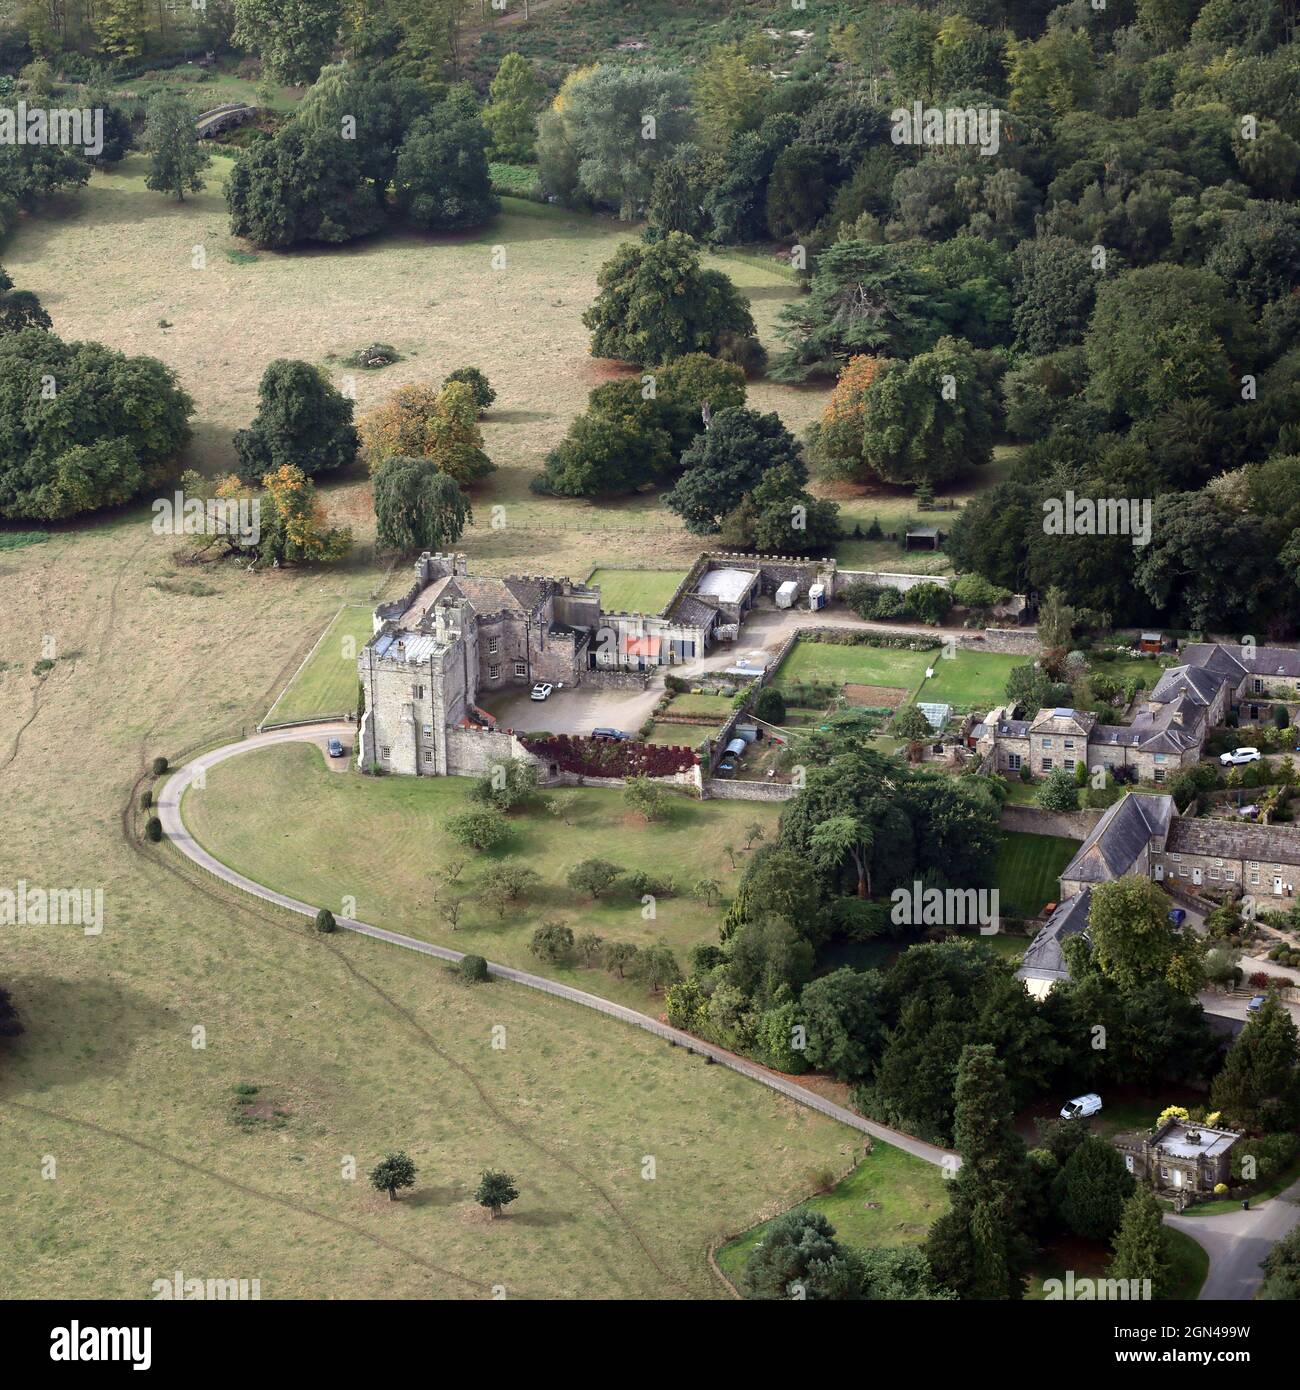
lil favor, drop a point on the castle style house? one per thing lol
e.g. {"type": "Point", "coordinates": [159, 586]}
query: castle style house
{"type": "Point", "coordinates": [438, 654]}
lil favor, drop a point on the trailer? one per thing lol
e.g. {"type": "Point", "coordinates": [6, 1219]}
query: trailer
{"type": "Point", "coordinates": [787, 593]}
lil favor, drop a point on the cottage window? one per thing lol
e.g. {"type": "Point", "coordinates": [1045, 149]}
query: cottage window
{"type": "Point", "coordinates": [521, 668]}
{"type": "Point", "coordinates": [428, 755]}
{"type": "Point", "coordinates": [1176, 857]}
{"type": "Point", "coordinates": [1230, 875]}
{"type": "Point", "coordinates": [417, 692]}
{"type": "Point", "coordinates": [385, 752]}
{"type": "Point", "coordinates": [1013, 761]}
{"type": "Point", "coordinates": [1257, 685]}
{"type": "Point", "coordinates": [1160, 757]}
{"type": "Point", "coordinates": [1047, 743]}
{"type": "Point", "coordinates": [1069, 764]}
{"type": "Point", "coordinates": [1219, 863]}
{"type": "Point", "coordinates": [1159, 775]}
{"type": "Point", "coordinates": [494, 645]}
{"type": "Point", "coordinates": [1047, 764]}
{"type": "Point", "coordinates": [428, 731]}
{"type": "Point", "coordinates": [1254, 878]}
{"type": "Point", "coordinates": [1069, 746]}
{"type": "Point", "coordinates": [494, 672]}
{"type": "Point", "coordinates": [1214, 873]}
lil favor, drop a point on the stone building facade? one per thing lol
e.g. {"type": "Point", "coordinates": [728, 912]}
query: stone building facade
{"type": "Point", "coordinates": [1181, 1158]}
{"type": "Point", "coordinates": [455, 638]}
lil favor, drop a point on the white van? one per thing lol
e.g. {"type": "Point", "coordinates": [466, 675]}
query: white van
{"type": "Point", "coordinates": [1081, 1107]}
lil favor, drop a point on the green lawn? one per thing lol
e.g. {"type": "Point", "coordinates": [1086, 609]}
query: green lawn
{"type": "Point", "coordinates": [327, 682]}
{"type": "Point", "coordinates": [715, 706]}
{"type": "Point", "coordinates": [281, 818]}
{"type": "Point", "coordinates": [1029, 871]}
{"type": "Point", "coordinates": [678, 735]}
{"type": "Point", "coordinates": [635, 591]}
{"type": "Point", "coordinates": [841, 664]}
{"type": "Point", "coordinates": [975, 679]}
{"type": "Point", "coordinates": [890, 1198]}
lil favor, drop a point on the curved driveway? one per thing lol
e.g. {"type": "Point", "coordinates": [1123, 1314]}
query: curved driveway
{"type": "Point", "coordinates": [169, 812]}
{"type": "Point", "coordinates": [1236, 1241]}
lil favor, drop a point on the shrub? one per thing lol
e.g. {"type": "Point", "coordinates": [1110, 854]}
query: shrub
{"type": "Point", "coordinates": [553, 942]}
{"type": "Point", "coordinates": [769, 705]}
{"type": "Point", "coordinates": [146, 799]}
{"type": "Point", "coordinates": [153, 829]}
{"type": "Point", "coordinates": [479, 386]}
{"type": "Point", "coordinates": [473, 969]}
{"type": "Point", "coordinates": [481, 829]}
{"type": "Point", "coordinates": [593, 876]}
{"type": "Point", "coordinates": [1058, 792]}
{"type": "Point", "coordinates": [325, 922]}
{"type": "Point", "coordinates": [159, 766]}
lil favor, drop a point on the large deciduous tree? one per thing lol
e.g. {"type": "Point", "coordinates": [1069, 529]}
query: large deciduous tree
{"type": "Point", "coordinates": [657, 303]}
{"type": "Point", "coordinates": [83, 427]}
{"type": "Point", "coordinates": [176, 158]}
{"type": "Point", "coordinates": [417, 506]}
{"type": "Point", "coordinates": [301, 421]}
{"type": "Point", "coordinates": [294, 38]}
{"type": "Point", "coordinates": [441, 180]}
{"type": "Point", "coordinates": [728, 461]}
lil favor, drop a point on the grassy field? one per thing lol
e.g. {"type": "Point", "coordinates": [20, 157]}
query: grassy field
{"type": "Point", "coordinates": [327, 682]}
{"type": "Point", "coordinates": [890, 1198]}
{"type": "Point", "coordinates": [1029, 871]}
{"type": "Point", "coordinates": [635, 591]}
{"type": "Point", "coordinates": [280, 817]}
{"type": "Point", "coordinates": [113, 262]}
{"type": "Point", "coordinates": [364, 1048]}
{"type": "Point", "coordinates": [842, 664]}
{"type": "Point", "coordinates": [714, 706]}
{"type": "Point", "coordinates": [977, 679]}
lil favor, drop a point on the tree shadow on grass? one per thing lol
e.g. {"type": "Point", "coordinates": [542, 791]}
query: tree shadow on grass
{"type": "Point", "coordinates": [75, 1030]}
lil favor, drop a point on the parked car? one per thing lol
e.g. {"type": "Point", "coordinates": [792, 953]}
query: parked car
{"type": "Point", "coordinates": [1081, 1107]}
{"type": "Point", "coordinates": [1242, 755]}
{"type": "Point", "coordinates": [335, 748]}
{"type": "Point", "coordinates": [1256, 1004]}
{"type": "Point", "coordinates": [1177, 916]}
{"type": "Point", "coordinates": [541, 690]}
{"type": "Point", "coordinates": [610, 733]}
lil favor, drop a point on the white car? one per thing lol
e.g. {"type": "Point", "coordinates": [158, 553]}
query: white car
{"type": "Point", "coordinates": [1081, 1107]}
{"type": "Point", "coordinates": [541, 690]}
{"type": "Point", "coordinates": [1242, 755]}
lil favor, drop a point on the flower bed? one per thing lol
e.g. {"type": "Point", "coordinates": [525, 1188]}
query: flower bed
{"type": "Point", "coordinates": [593, 757]}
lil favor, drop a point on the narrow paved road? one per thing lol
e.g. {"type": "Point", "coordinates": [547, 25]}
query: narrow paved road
{"type": "Point", "coordinates": [169, 812]}
{"type": "Point", "coordinates": [1238, 1240]}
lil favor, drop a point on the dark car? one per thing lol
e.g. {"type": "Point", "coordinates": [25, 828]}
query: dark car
{"type": "Point", "coordinates": [617, 734]}
{"type": "Point", "coordinates": [335, 748]}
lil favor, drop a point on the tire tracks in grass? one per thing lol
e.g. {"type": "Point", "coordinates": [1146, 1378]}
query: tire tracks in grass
{"type": "Point", "coordinates": [239, 902]}
{"type": "Point", "coordinates": [247, 1190]}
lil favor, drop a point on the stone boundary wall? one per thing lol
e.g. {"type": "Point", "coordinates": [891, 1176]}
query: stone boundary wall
{"type": "Point", "coordinates": [1029, 820]}
{"type": "Point", "coordinates": [472, 752]}
{"type": "Point", "coordinates": [609, 678]}
{"type": "Point", "coordinates": [1011, 640]}
{"type": "Point", "coordinates": [723, 789]}
{"type": "Point", "coordinates": [887, 580]}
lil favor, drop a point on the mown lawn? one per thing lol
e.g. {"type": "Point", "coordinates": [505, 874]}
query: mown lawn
{"type": "Point", "coordinates": [842, 664]}
{"type": "Point", "coordinates": [327, 682]}
{"type": "Point", "coordinates": [969, 679]}
{"type": "Point", "coordinates": [280, 817]}
{"type": "Point", "coordinates": [1029, 871]}
{"type": "Point", "coordinates": [890, 1198]}
{"type": "Point", "coordinates": [635, 591]}
{"type": "Point", "coordinates": [715, 706]}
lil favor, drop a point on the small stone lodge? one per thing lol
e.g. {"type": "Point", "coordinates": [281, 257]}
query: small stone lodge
{"type": "Point", "coordinates": [1180, 1157]}
{"type": "Point", "coordinates": [1144, 834]}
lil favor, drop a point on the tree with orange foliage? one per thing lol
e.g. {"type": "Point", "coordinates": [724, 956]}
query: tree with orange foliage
{"type": "Point", "coordinates": [419, 421]}
{"type": "Point", "coordinates": [293, 521]}
{"type": "Point", "coordinates": [839, 440]}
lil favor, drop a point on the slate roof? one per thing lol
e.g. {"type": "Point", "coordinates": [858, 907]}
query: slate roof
{"type": "Point", "coordinates": [1119, 837]}
{"type": "Point", "coordinates": [1226, 839]}
{"type": "Point", "coordinates": [484, 594]}
{"type": "Point", "coordinates": [1045, 960]}
{"type": "Point", "coordinates": [1197, 683]}
{"type": "Point", "coordinates": [1063, 721]}
{"type": "Point", "coordinates": [1230, 657]}
{"type": "Point", "coordinates": [691, 611]}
